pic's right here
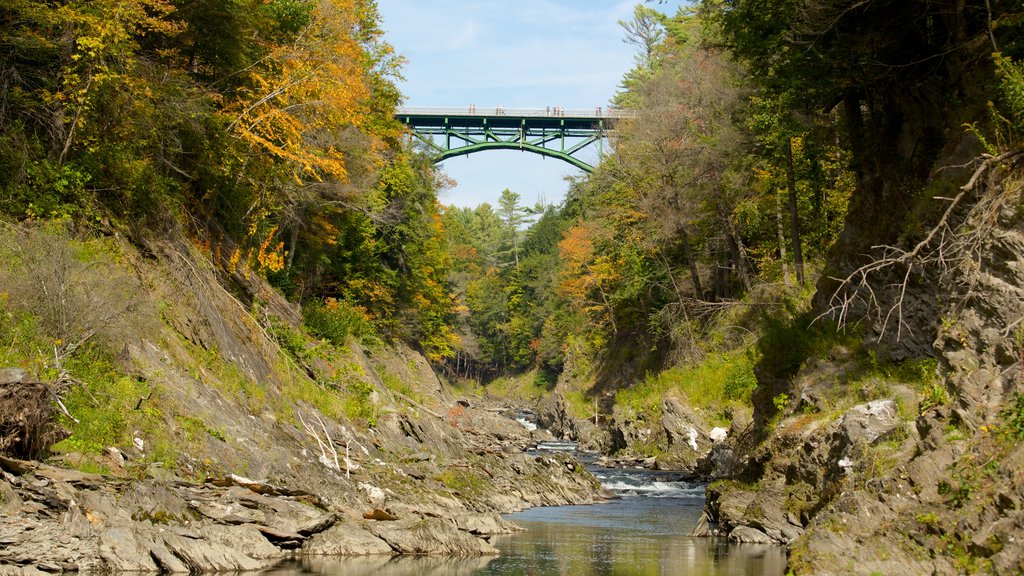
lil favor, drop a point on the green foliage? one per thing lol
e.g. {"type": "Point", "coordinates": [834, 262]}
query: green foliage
{"type": "Point", "coordinates": [1011, 84]}
{"type": "Point", "coordinates": [740, 380]}
{"type": "Point", "coordinates": [578, 405]}
{"type": "Point", "coordinates": [291, 340]}
{"type": "Point", "coordinates": [336, 321]}
{"type": "Point", "coordinates": [358, 404]}
{"type": "Point", "coordinates": [1008, 109]}
{"type": "Point", "coordinates": [465, 482]}
{"type": "Point", "coordinates": [253, 123]}
{"type": "Point", "coordinates": [719, 384]}
{"type": "Point", "coordinates": [1013, 415]}
{"type": "Point", "coordinates": [780, 401]}
{"type": "Point", "coordinates": [195, 429]}
{"type": "Point", "coordinates": [958, 492]}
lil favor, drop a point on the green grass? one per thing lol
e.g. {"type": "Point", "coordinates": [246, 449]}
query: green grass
{"type": "Point", "coordinates": [465, 482]}
{"type": "Point", "coordinates": [723, 381]}
{"type": "Point", "coordinates": [530, 385]}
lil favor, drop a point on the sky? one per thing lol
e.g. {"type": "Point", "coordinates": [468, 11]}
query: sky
{"type": "Point", "coordinates": [513, 53]}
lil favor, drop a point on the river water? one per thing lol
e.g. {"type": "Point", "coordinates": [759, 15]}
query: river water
{"type": "Point", "coordinates": [642, 533]}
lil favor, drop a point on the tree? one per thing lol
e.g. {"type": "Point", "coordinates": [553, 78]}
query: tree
{"type": "Point", "coordinates": [513, 216]}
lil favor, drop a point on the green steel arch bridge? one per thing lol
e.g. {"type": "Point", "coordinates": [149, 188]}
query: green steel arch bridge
{"type": "Point", "coordinates": [553, 132]}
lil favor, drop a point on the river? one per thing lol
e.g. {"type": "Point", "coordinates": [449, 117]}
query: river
{"type": "Point", "coordinates": [642, 533]}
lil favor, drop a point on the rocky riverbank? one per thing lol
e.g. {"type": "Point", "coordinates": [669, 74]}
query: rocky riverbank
{"type": "Point", "coordinates": [209, 431]}
{"type": "Point", "coordinates": [60, 520]}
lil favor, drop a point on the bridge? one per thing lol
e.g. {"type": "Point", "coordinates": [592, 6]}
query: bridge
{"type": "Point", "coordinates": [553, 132]}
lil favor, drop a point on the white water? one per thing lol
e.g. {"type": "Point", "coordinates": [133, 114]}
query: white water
{"type": "Point", "coordinates": [657, 489]}
{"type": "Point", "coordinates": [527, 424]}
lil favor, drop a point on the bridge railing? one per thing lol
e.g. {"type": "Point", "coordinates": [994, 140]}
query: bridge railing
{"type": "Point", "coordinates": [550, 112]}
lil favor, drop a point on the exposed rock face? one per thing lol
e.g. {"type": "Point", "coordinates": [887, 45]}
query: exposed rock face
{"type": "Point", "coordinates": [62, 520]}
{"type": "Point", "coordinates": [417, 472]}
{"type": "Point", "coordinates": [677, 433]}
{"type": "Point", "coordinates": [923, 481]}
{"type": "Point", "coordinates": [553, 415]}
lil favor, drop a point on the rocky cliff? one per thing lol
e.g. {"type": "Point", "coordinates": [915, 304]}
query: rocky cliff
{"type": "Point", "coordinates": [869, 467]}
{"type": "Point", "coordinates": [243, 440]}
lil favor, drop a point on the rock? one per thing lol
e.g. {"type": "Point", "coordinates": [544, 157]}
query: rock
{"type": "Point", "coordinates": [553, 415]}
{"type": "Point", "coordinates": [116, 455]}
{"type": "Point", "coordinates": [12, 376]}
{"type": "Point", "coordinates": [318, 525]}
{"type": "Point", "coordinates": [281, 538]}
{"type": "Point", "coordinates": [485, 524]}
{"type": "Point", "coordinates": [168, 563]}
{"type": "Point", "coordinates": [347, 539]}
{"type": "Point", "coordinates": [430, 536]}
{"type": "Point", "coordinates": [15, 466]}
{"type": "Point", "coordinates": [124, 550]}
{"type": "Point", "coordinates": [381, 515]}
{"type": "Point", "coordinates": [703, 528]}
{"type": "Point", "coordinates": [748, 535]}
{"type": "Point", "coordinates": [377, 496]}
{"type": "Point", "coordinates": [682, 427]}
{"type": "Point", "coordinates": [225, 549]}
{"type": "Point", "coordinates": [871, 422]}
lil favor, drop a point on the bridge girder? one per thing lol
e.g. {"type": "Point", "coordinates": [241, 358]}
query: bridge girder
{"type": "Point", "coordinates": [527, 130]}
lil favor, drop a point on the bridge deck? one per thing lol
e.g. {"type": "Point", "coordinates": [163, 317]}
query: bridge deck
{"type": "Point", "coordinates": [530, 119]}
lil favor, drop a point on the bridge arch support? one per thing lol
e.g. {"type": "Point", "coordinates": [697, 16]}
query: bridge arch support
{"type": "Point", "coordinates": [561, 134]}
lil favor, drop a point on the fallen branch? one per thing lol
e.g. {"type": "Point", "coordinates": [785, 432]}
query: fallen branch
{"type": "Point", "coordinates": [944, 245]}
{"type": "Point", "coordinates": [324, 446]}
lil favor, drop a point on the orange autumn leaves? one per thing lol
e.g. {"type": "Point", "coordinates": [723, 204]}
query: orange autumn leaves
{"type": "Point", "coordinates": [303, 92]}
{"type": "Point", "coordinates": [586, 274]}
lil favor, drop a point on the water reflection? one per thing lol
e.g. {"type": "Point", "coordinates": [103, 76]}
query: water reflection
{"type": "Point", "coordinates": [634, 536]}
{"type": "Point", "coordinates": [641, 534]}
{"type": "Point", "coordinates": [628, 537]}
{"type": "Point", "coordinates": [384, 566]}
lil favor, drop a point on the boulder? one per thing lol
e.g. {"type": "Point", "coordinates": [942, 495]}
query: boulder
{"type": "Point", "coordinates": [348, 539]}
{"type": "Point", "coordinates": [869, 423]}
{"type": "Point", "coordinates": [430, 536]}
{"type": "Point", "coordinates": [748, 535]}
{"type": "Point", "coordinates": [12, 376]}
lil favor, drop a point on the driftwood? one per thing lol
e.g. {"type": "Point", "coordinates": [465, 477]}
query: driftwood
{"type": "Point", "coordinates": [27, 420]}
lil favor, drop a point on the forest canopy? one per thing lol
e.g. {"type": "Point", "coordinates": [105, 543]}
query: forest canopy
{"type": "Point", "coordinates": [265, 128]}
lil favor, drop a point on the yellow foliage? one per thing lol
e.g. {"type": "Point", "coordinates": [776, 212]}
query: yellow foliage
{"type": "Point", "coordinates": [305, 91]}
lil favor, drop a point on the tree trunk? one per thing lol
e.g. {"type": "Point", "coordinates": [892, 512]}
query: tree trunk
{"type": "Point", "coordinates": [794, 214]}
{"type": "Point", "coordinates": [688, 256]}
{"type": "Point", "coordinates": [737, 251]}
{"type": "Point", "coordinates": [782, 238]}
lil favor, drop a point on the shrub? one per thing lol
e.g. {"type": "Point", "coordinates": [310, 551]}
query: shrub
{"type": "Point", "coordinates": [1014, 417]}
{"type": "Point", "coordinates": [740, 380]}
{"type": "Point", "coordinates": [335, 321]}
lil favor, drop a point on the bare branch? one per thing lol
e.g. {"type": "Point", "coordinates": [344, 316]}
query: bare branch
{"type": "Point", "coordinates": [944, 246]}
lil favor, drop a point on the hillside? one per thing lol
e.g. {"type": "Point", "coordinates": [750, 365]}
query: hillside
{"type": "Point", "coordinates": [206, 434]}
